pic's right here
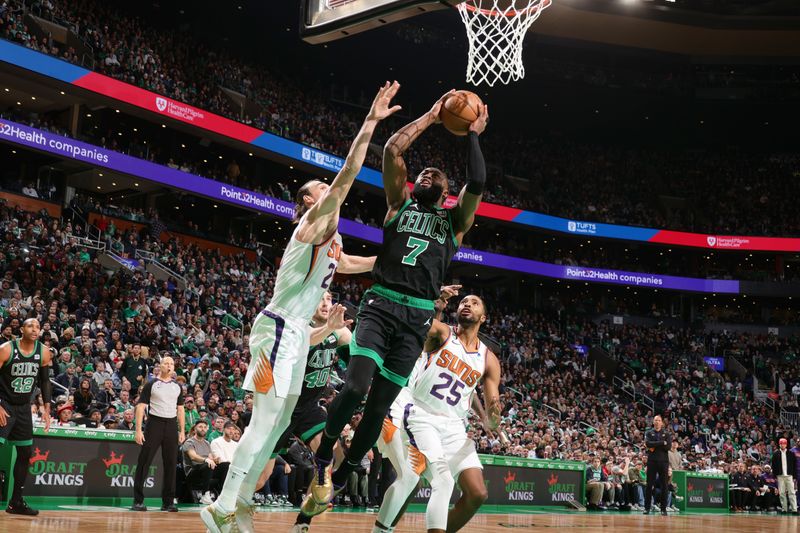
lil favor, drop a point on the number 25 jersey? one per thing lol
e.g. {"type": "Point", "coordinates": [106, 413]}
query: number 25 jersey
{"type": "Point", "coordinates": [443, 381]}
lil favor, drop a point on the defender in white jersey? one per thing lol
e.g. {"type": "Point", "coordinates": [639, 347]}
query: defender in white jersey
{"type": "Point", "coordinates": [432, 424]}
{"type": "Point", "coordinates": [280, 336]}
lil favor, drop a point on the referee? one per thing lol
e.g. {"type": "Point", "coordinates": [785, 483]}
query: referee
{"type": "Point", "coordinates": [164, 396]}
{"type": "Point", "coordinates": [658, 443]}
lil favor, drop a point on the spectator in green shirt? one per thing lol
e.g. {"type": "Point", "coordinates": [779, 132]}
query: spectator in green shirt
{"type": "Point", "coordinates": [191, 414]}
{"type": "Point", "coordinates": [216, 430]}
{"type": "Point", "coordinates": [237, 390]}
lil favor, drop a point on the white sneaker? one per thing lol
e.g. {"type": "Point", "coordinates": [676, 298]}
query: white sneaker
{"type": "Point", "coordinates": [207, 499]}
{"type": "Point", "coordinates": [300, 528]}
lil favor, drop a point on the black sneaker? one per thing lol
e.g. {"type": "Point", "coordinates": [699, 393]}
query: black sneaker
{"type": "Point", "coordinates": [171, 508]}
{"type": "Point", "coordinates": [646, 511]}
{"type": "Point", "coordinates": [21, 508]}
{"type": "Point", "coordinates": [664, 513]}
{"type": "Point", "coordinates": [138, 507]}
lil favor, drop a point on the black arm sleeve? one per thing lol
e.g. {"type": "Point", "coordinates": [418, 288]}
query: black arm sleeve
{"type": "Point", "coordinates": [476, 166]}
{"type": "Point", "coordinates": [44, 384]}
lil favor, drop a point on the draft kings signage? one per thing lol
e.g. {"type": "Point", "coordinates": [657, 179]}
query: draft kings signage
{"type": "Point", "coordinates": [89, 468]}
{"type": "Point", "coordinates": [534, 486]}
{"type": "Point", "coordinates": [515, 485]}
{"type": "Point", "coordinates": [706, 493]}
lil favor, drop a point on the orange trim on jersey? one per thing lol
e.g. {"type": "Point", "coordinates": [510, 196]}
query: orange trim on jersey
{"type": "Point", "coordinates": [262, 378]}
{"type": "Point", "coordinates": [388, 430]}
{"type": "Point", "coordinates": [417, 460]}
{"type": "Point", "coordinates": [315, 254]}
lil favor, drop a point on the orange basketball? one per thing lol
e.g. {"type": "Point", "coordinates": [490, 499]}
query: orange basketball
{"type": "Point", "coordinates": [459, 111]}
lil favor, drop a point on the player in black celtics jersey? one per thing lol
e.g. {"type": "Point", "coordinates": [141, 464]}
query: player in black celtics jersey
{"type": "Point", "coordinates": [330, 339]}
{"type": "Point", "coordinates": [24, 365]}
{"type": "Point", "coordinates": [420, 238]}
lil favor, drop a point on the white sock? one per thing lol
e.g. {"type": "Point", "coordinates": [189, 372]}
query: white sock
{"type": "Point", "coordinates": [226, 502]}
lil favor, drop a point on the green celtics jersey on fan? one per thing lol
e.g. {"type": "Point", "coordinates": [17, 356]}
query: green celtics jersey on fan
{"type": "Point", "coordinates": [18, 374]}
{"type": "Point", "coordinates": [418, 244]}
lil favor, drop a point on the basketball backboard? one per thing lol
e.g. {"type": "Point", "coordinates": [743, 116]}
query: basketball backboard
{"type": "Point", "coordinates": [327, 20]}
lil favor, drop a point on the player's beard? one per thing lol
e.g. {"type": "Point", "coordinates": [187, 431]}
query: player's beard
{"type": "Point", "coordinates": [465, 321]}
{"type": "Point", "coordinates": [428, 195]}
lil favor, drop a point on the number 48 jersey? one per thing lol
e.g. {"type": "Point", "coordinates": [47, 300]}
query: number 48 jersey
{"type": "Point", "coordinates": [443, 381]}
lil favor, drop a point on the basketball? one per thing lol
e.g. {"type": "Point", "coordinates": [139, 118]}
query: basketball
{"type": "Point", "coordinates": [459, 111]}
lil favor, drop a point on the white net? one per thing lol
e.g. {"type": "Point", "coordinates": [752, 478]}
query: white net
{"type": "Point", "coordinates": [496, 30]}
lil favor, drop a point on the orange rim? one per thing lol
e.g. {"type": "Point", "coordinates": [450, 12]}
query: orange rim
{"type": "Point", "coordinates": [512, 13]}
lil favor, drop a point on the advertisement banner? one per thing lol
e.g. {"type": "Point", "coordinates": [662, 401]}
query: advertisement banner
{"type": "Point", "coordinates": [86, 464]}
{"type": "Point", "coordinates": [94, 155]}
{"type": "Point", "coordinates": [523, 485]}
{"type": "Point", "coordinates": [706, 493]}
{"type": "Point", "coordinates": [55, 68]}
{"type": "Point", "coordinates": [717, 363]}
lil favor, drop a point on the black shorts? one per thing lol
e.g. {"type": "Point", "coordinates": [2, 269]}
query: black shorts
{"type": "Point", "coordinates": [307, 422]}
{"type": "Point", "coordinates": [19, 425]}
{"type": "Point", "coordinates": [391, 329]}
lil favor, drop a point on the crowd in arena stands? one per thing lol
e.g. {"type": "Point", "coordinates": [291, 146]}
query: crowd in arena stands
{"type": "Point", "coordinates": [108, 329]}
{"type": "Point", "coordinates": [726, 192]}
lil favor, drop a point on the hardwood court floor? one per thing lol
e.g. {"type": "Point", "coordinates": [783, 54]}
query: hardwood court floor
{"type": "Point", "coordinates": [110, 519]}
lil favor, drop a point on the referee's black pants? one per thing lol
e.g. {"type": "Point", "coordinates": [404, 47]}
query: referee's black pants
{"type": "Point", "coordinates": [656, 470]}
{"type": "Point", "coordinates": [163, 433]}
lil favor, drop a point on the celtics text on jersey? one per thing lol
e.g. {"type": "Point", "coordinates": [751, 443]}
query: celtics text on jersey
{"type": "Point", "coordinates": [18, 376]}
{"type": "Point", "coordinates": [418, 244]}
{"type": "Point", "coordinates": [318, 369]}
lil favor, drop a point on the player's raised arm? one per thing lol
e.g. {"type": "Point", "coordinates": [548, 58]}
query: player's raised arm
{"type": "Point", "coordinates": [439, 331]}
{"type": "Point", "coordinates": [395, 173]}
{"type": "Point", "coordinates": [330, 202]}
{"type": "Point", "coordinates": [336, 321]}
{"type": "Point", "coordinates": [470, 197]}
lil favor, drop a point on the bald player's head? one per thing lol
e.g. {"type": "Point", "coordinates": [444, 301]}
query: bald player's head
{"type": "Point", "coordinates": [30, 329]}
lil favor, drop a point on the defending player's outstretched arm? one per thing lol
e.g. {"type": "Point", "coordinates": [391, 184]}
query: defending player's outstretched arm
{"type": "Point", "coordinates": [319, 216]}
{"type": "Point", "coordinates": [355, 264]}
{"type": "Point", "coordinates": [470, 196]}
{"type": "Point", "coordinates": [395, 173]}
{"type": "Point", "coordinates": [439, 331]}
{"type": "Point", "coordinates": [336, 322]}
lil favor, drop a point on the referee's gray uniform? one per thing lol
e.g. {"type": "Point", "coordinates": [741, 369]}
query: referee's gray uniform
{"type": "Point", "coordinates": [163, 397]}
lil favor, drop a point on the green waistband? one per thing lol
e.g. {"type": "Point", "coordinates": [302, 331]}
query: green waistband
{"type": "Point", "coordinates": [400, 298]}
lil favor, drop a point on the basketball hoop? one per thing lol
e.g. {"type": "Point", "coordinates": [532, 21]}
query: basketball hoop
{"type": "Point", "coordinates": [496, 30]}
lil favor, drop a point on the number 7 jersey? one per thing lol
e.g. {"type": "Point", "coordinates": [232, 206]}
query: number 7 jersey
{"type": "Point", "coordinates": [418, 244]}
{"type": "Point", "coordinates": [443, 380]}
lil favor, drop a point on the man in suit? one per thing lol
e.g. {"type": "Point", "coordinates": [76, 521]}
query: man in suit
{"type": "Point", "coordinates": [658, 442]}
{"type": "Point", "coordinates": [784, 466]}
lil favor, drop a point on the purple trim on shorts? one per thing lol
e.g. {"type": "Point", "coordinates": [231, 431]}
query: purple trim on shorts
{"type": "Point", "coordinates": [406, 412]}
{"type": "Point", "coordinates": [279, 325]}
